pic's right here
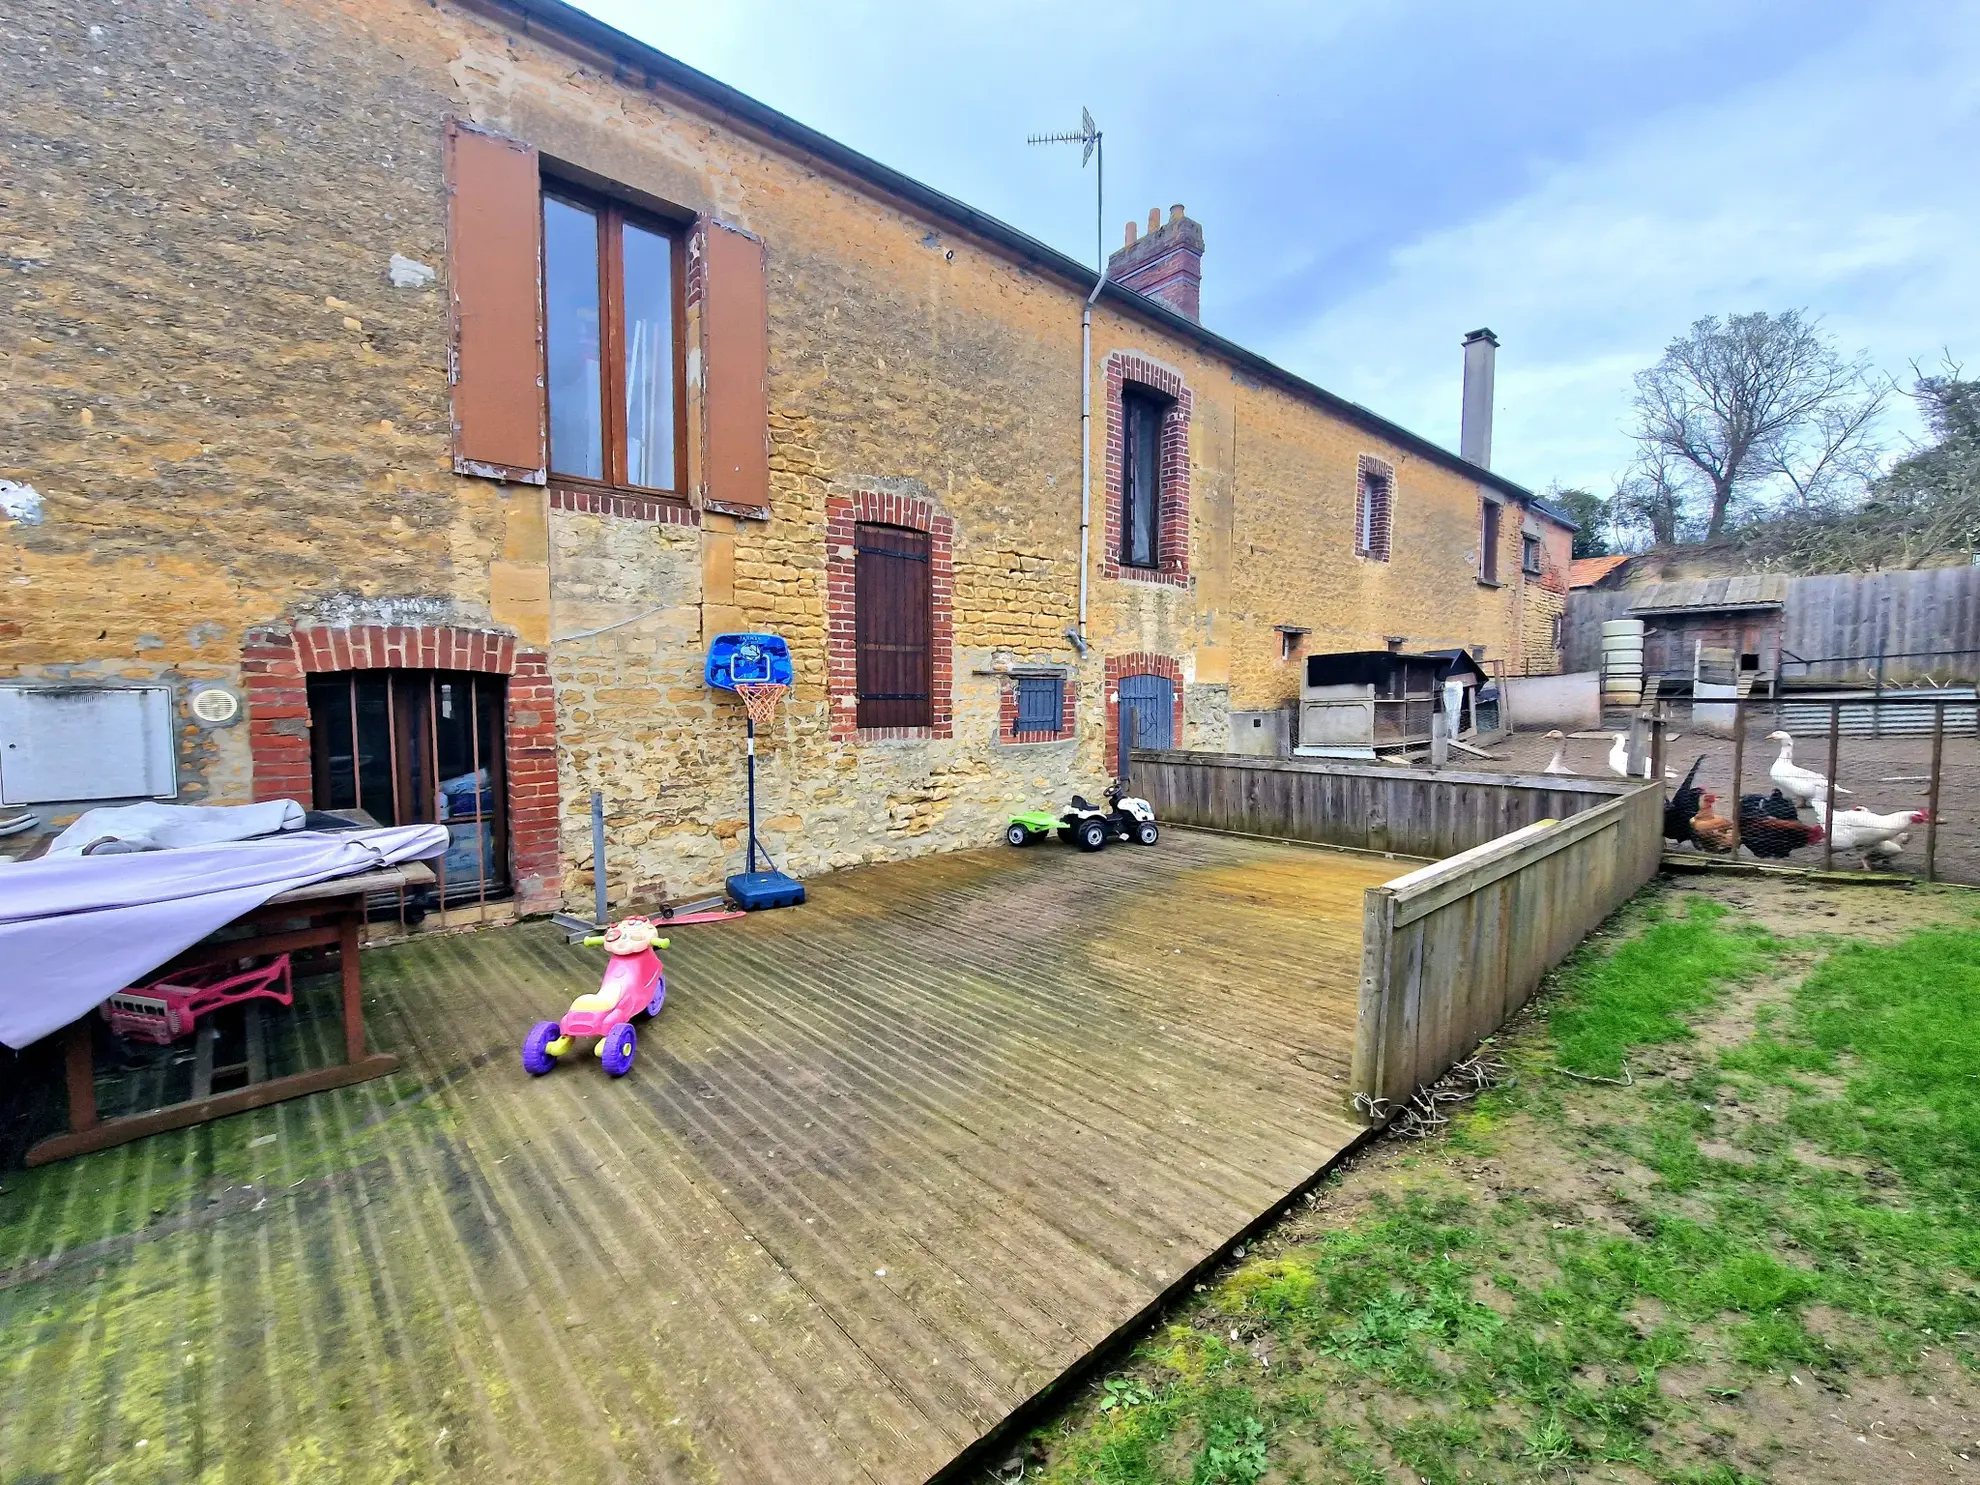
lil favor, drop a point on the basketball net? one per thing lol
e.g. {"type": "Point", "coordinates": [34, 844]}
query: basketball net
{"type": "Point", "coordinates": [761, 697]}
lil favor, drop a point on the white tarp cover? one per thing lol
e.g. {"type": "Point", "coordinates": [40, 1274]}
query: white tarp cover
{"type": "Point", "coordinates": [74, 930]}
{"type": "Point", "coordinates": [167, 827]}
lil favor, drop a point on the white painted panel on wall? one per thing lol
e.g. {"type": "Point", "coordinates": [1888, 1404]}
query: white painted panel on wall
{"type": "Point", "coordinates": [61, 743]}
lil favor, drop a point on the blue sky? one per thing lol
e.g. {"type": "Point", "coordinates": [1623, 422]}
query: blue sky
{"type": "Point", "coordinates": [1376, 178]}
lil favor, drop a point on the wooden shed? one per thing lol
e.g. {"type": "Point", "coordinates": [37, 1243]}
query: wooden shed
{"type": "Point", "coordinates": [1721, 631]}
{"type": "Point", "coordinates": [1354, 703]}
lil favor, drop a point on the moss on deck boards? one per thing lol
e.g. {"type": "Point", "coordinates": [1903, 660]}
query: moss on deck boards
{"type": "Point", "coordinates": [885, 1166]}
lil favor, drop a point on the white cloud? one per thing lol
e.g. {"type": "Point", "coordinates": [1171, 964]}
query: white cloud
{"type": "Point", "coordinates": [1843, 186]}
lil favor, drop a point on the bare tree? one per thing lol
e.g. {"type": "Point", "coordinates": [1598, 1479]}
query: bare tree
{"type": "Point", "coordinates": [1925, 508]}
{"type": "Point", "coordinates": [1649, 499]}
{"type": "Point", "coordinates": [1759, 403]}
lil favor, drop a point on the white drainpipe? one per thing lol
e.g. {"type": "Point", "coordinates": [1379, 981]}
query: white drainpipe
{"type": "Point", "coordinates": [1086, 445]}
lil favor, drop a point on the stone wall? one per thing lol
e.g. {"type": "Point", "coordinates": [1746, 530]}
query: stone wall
{"type": "Point", "coordinates": [236, 421]}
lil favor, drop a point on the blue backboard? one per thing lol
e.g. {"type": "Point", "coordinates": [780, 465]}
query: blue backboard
{"type": "Point", "coordinates": [739, 659]}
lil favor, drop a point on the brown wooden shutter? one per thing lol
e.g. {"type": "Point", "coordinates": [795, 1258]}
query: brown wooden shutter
{"type": "Point", "coordinates": [495, 289]}
{"type": "Point", "coordinates": [735, 317]}
{"type": "Point", "coordinates": [892, 625]}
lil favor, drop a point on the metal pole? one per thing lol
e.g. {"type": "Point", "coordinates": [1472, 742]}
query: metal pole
{"type": "Point", "coordinates": [1829, 817]}
{"type": "Point", "coordinates": [1739, 766]}
{"type": "Point", "coordinates": [1932, 795]}
{"type": "Point", "coordinates": [598, 905]}
{"type": "Point", "coordinates": [1876, 712]}
{"type": "Point", "coordinates": [752, 795]}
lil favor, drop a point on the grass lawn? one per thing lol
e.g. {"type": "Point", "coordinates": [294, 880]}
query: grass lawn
{"type": "Point", "coordinates": [1751, 1254]}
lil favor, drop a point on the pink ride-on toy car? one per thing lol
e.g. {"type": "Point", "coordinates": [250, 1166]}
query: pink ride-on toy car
{"type": "Point", "coordinates": [634, 982]}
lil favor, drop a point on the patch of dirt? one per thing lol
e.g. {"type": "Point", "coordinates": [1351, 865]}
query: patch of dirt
{"type": "Point", "coordinates": [1879, 915]}
{"type": "Point", "coordinates": [1891, 1430]}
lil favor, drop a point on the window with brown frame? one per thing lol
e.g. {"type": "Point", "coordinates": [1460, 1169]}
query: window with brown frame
{"type": "Point", "coordinates": [893, 625]}
{"type": "Point", "coordinates": [612, 317]}
{"type": "Point", "coordinates": [1142, 413]}
{"type": "Point", "coordinates": [1488, 545]}
{"type": "Point", "coordinates": [1374, 495]}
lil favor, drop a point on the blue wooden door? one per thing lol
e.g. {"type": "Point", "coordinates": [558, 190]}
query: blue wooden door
{"type": "Point", "coordinates": [1148, 715]}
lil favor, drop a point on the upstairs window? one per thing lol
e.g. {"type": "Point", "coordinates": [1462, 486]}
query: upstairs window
{"type": "Point", "coordinates": [612, 343]}
{"type": "Point", "coordinates": [1529, 555]}
{"type": "Point", "coordinates": [893, 626]}
{"type": "Point", "coordinates": [1374, 495]}
{"type": "Point", "coordinates": [1142, 413]}
{"type": "Point", "coordinates": [1488, 542]}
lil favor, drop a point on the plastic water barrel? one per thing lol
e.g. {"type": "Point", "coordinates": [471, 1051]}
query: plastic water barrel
{"type": "Point", "coordinates": [1622, 661]}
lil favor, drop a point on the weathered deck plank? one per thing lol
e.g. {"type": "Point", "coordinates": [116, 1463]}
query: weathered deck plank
{"type": "Point", "coordinates": [886, 1165]}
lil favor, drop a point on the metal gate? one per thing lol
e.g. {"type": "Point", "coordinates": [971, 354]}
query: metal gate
{"type": "Point", "coordinates": [1148, 715]}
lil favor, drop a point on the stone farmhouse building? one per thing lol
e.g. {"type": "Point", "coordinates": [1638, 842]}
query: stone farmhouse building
{"type": "Point", "coordinates": [396, 397]}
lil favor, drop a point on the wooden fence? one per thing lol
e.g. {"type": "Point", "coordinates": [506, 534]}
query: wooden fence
{"type": "Point", "coordinates": [1925, 622]}
{"type": "Point", "coordinates": [1371, 806]}
{"type": "Point", "coordinates": [1450, 951]}
{"type": "Point", "coordinates": [1531, 865]}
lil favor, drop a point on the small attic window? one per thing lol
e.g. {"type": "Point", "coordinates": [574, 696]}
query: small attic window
{"type": "Point", "coordinates": [1291, 640]}
{"type": "Point", "coordinates": [1529, 555]}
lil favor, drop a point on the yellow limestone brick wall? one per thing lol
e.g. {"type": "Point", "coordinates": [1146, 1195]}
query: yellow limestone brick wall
{"type": "Point", "coordinates": [233, 418]}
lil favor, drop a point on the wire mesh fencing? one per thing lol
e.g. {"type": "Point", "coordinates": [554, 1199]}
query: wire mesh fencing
{"type": "Point", "coordinates": [1876, 783]}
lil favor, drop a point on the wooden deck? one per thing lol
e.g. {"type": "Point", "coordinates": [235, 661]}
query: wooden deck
{"type": "Point", "coordinates": [886, 1166]}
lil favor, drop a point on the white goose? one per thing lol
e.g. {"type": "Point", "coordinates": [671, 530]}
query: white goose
{"type": "Point", "coordinates": [1558, 763]}
{"type": "Point", "coordinates": [1802, 785]}
{"type": "Point", "coordinates": [1619, 760]}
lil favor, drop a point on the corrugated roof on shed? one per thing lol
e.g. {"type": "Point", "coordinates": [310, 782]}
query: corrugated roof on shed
{"type": "Point", "coordinates": [1708, 595]}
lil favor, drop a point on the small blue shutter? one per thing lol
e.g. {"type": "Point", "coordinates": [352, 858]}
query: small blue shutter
{"type": "Point", "coordinates": [1039, 701]}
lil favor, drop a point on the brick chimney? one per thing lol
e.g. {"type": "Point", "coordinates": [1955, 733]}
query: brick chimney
{"type": "Point", "coordinates": [1481, 349]}
{"type": "Point", "coordinates": [1165, 264]}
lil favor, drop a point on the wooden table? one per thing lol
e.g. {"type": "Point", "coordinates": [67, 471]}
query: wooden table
{"type": "Point", "coordinates": [333, 913]}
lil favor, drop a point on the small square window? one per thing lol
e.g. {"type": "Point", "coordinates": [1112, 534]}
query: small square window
{"type": "Point", "coordinates": [1529, 555]}
{"type": "Point", "coordinates": [1040, 700]}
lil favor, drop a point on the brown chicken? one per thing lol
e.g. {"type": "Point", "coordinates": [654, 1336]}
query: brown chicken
{"type": "Point", "coordinates": [1709, 828]}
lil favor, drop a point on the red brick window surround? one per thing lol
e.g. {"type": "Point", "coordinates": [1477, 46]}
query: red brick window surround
{"type": "Point", "coordinates": [1140, 662]}
{"type": "Point", "coordinates": [1374, 507]}
{"type": "Point", "coordinates": [844, 513]}
{"type": "Point", "coordinates": [1007, 709]}
{"type": "Point", "coordinates": [276, 659]}
{"type": "Point", "coordinates": [1127, 369]}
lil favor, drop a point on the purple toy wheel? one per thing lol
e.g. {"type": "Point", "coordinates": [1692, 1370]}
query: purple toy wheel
{"type": "Point", "coordinates": [659, 997]}
{"type": "Point", "coordinates": [536, 1058]}
{"type": "Point", "coordinates": [620, 1044]}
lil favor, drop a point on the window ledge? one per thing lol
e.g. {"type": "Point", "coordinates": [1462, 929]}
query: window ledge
{"type": "Point", "coordinates": [1155, 575]}
{"type": "Point", "coordinates": [631, 505]}
{"type": "Point", "coordinates": [1486, 582]}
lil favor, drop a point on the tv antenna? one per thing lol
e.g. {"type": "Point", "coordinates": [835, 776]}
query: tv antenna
{"type": "Point", "coordinates": [1088, 134]}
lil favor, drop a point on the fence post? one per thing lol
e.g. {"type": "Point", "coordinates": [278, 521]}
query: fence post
{"type": "Point", "coordinates": [1739, 765]}
{"type": "Point", "coordinates": [1932, 793]}
{"type": "Point", "coordinates": [1829, 794]}
{"type": "Point", "coordinates": [1657, 743]}
{"type": "Point", "coordinates": [1876, 711]}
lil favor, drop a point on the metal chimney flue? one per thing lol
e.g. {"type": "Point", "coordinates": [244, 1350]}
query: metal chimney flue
{"type": "Point", "coordinates": [1481, 348]}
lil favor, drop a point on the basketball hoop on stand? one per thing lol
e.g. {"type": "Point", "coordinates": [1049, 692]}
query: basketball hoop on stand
{"type": "Point", "coordinates": [757, 667]}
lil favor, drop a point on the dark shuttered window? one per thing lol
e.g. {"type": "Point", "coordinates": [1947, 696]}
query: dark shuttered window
{"type": "Point", "coordinates": [893, 622]}
{"type": "Point", "coordinates": [1040, 699]}
{"type": "Point", "coordinates": [1141, 479]}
